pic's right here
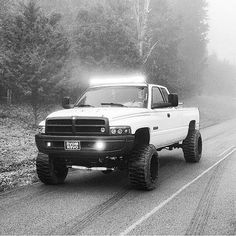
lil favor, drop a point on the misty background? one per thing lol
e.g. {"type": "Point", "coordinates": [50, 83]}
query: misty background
{"type": "Point", "coordinates": [50, 49]}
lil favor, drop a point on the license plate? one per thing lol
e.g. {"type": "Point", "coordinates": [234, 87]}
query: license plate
{"type": "Point", "coordinates": [72, 145]}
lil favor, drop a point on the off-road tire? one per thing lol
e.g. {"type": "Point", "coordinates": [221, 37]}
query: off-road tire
{"type": "Point", "coordinates": [143, 167]}
{"type": "Point", "coordinates": [51, 171]}
{"type": "Point", "coordinates": [192, 146]}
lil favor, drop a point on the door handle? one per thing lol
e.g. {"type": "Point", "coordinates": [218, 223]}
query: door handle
{"type": "Point", "coordinates": [168, 115]}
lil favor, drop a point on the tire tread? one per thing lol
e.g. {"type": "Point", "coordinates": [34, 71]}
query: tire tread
{"type": "Point", "coordinates": [138, 167]}
{"type": "Point", "coordinates": [190, 147]}
{"type": "Point", "coordinates": [50, 173]}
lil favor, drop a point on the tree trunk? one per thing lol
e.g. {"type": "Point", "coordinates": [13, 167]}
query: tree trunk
{"type": "Point", "coordinates": [35, 113]}
{"type": "Point", "coordinates": [141, 10]}
{"type": "Point", "coordinates": [35, 105]}
{"type": "Point", "coordinates": [9, 96]}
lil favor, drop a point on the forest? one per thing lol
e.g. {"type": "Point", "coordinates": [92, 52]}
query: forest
{"type": "Point", "coordinates": [49, 49]}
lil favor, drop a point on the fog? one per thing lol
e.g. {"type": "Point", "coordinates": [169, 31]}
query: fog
{"type": "Point", "coordinates": [50, 49]}
{"type": "Point", "coordinates": [222, 30]}
{"type": "Point", "coordinates": [172, 42]}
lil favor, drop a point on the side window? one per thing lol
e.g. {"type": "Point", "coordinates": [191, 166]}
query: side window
{"type": "Point", "coordinates": [165, 94]}
{"type": "Point", "coordinates": [156, 97]}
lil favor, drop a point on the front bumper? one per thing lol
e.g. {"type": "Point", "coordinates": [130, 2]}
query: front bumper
{"type": "Point", "coordinates": [114, 145]}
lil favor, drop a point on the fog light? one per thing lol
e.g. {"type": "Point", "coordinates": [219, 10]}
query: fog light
{"type": "Point", "coordinates": [100, 145]}
{"type": "Point", "coordinates": [49, 144]}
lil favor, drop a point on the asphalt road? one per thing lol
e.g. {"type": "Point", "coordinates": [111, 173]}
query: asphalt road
{"type": "Point", "coordinates": [189, 199]}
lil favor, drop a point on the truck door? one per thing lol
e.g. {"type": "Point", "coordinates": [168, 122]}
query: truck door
{"type": "Point", "coordinates": [179, 119]}
{"type": "Point", "coordinates": [163, 126]}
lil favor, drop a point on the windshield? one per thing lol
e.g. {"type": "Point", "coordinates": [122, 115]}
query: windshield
{"type": "Point", "coordinates": [115, 96]}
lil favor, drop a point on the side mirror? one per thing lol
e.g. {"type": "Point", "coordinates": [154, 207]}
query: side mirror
{"type": "Point", "coordinates": [66, 103]}
{"type": "Point", "coordinates": [173, 99]}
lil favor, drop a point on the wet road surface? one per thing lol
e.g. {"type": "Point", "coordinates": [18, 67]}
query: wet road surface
{"type": "Point", "coordinates": [189, 198]}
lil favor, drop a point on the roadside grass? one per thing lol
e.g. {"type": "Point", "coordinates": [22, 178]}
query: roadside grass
{"type": "Point", "coordinates": [17, 146]}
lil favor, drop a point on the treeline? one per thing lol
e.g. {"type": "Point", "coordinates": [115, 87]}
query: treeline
{"type": "Point", "coordinates": [220, 78]}
{"type": "Point", "coordinates": [51, 48]}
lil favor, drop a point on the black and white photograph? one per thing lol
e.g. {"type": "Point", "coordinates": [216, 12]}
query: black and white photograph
{"type": "Point", "coordinates": [118, 117]}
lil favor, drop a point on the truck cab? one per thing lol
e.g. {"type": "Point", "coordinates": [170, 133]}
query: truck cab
{"type": "Point", "coordinates": [113, 125]}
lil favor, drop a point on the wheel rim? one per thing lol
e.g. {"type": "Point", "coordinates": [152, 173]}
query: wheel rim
{"type": "Point", "coordinates": [154, 168]}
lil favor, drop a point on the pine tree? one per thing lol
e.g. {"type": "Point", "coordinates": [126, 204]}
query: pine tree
{"type": "Point", "coordinates": [35, 50]}
{"type": "Point", "coordinates": [103, 37]}
{"type": "Point", "coordinates": [192, 49]}
{"type": "Point", "coordinates": [162, 64]}
{"type": "Point", "coordinates": [6, 9]}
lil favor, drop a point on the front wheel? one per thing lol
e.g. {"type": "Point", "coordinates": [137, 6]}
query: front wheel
{"type": "Point", "coordinates": [51, 171]}
{"type": "Point", "coordinates": [192, 146]}
{"type": "Point", "coordinates": [143, 167]}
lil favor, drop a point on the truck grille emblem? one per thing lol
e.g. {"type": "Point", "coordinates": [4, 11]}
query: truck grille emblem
{"type": "Point", "coordinates": [103, 130]}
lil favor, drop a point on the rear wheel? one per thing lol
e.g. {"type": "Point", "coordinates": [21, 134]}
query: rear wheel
{"type": "Point", "coordinates": [51, 171]}
{"type": "Point", "coordinates": [192, 146]}
{"type": "Point", "coordinates": [143, 167]}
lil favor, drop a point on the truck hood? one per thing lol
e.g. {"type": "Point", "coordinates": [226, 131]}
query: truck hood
{"type": "Point", "coordinates": [112, 113]}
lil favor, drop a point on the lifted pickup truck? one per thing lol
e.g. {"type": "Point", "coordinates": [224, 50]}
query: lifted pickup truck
{"type": "Point", "coordinates": [119, 125]}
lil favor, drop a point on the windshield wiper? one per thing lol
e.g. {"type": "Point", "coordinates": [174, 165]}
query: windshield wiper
{"type": "Point", "coordinates": [113, 104]}
{"type": "Point", "coordinates": [85, 105]}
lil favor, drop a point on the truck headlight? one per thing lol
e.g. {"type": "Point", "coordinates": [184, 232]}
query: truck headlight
{"type": "Point", "coordinates": [41, 129]}
{"type": "Point", "coordinates": [124, 130]}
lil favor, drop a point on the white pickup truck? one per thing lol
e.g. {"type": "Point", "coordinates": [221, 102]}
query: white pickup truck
{"type": "Point", "coordinates": [117, 125]}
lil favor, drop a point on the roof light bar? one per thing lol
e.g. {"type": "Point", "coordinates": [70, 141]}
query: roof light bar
{"type": "Point", "coordinates": [118, 80]}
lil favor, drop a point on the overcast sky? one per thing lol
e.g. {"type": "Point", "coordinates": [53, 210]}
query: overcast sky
{"type": "Point", "coordinates": [222, 34]}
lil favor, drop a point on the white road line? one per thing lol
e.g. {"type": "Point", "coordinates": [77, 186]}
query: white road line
{"type": "Point", "coordinates": [157, 208]}
{"type": "Point", "coordinates": [225, 151]}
